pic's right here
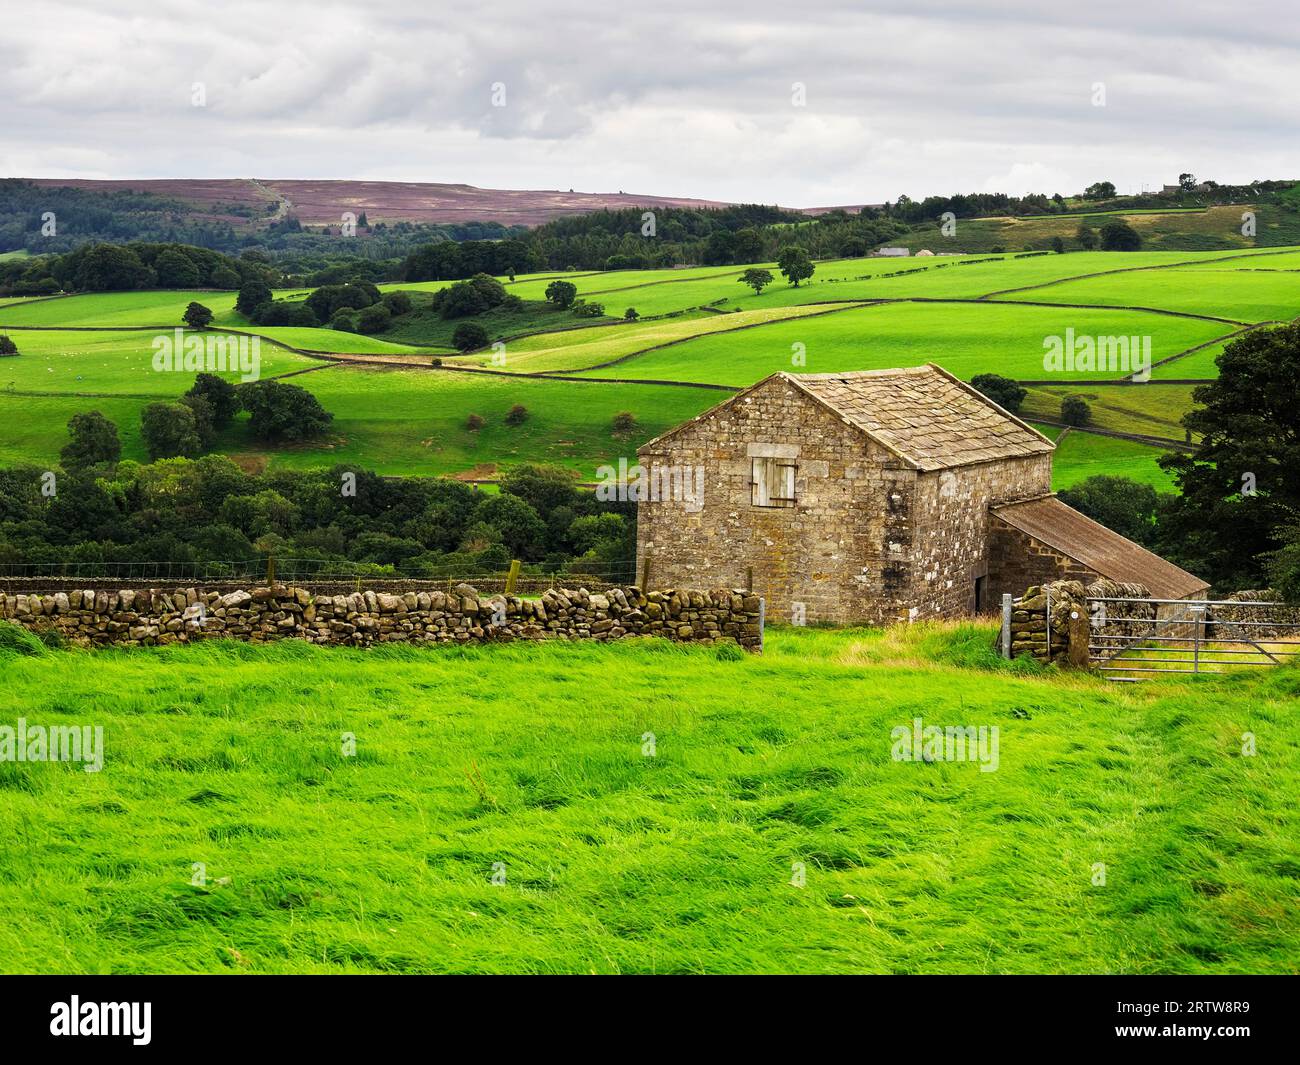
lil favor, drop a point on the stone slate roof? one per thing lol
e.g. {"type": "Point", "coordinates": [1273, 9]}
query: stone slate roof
{"type": "Point", "coordinates": [1102, 550]}
{"type": "Point", "coordinates": [925, 415]}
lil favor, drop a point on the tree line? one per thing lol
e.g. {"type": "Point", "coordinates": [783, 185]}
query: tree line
{"type": "Point", "coordinates": [343, 520]}
{"type": "Point", "coordinates": [129, 267]}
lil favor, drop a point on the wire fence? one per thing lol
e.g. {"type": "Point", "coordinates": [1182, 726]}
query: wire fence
{"type": "Point", "coordinates": [319, 575]}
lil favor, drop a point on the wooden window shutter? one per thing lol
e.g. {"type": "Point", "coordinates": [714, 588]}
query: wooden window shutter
{"type": "Point", "coordinates": [762, 494]}
{"type": "Point", "coordinates": [773, 482]}
{"type": "Point", "coordinates": [785, 478]}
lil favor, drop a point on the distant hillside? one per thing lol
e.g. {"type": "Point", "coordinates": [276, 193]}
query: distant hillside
{"type": "Point", "coordinates": [1177, 229]}
{"type": "Point", "coordinates": [300, 224]}
{"type": "Point", "coordinates": [244, 201]}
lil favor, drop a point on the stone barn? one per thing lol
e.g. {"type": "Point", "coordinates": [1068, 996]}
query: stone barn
{"type": "Point", "coordinates": [876, 496]}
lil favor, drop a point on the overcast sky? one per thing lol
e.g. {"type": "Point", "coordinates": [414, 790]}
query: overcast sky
{"type": "Point", "coordinates": [665, 96]}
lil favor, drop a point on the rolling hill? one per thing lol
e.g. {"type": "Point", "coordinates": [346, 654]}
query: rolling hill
{"type": "Point", "coordinates": [321, 203]}
{"type": "Point", "coordinates": [701, 336]}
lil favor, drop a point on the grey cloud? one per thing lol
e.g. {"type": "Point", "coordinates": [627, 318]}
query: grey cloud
{"type": "Point", "coordinates": [675, 98]}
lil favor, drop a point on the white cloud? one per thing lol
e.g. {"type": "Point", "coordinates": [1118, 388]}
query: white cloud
{"type": "Point", "coordinates": [922, 97]}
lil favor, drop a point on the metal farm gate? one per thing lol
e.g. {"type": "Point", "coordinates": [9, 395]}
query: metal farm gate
{"type": "Point", "coordinates": [1132, 638]}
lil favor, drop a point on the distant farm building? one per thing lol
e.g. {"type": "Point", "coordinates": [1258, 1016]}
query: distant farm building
{"type": "Point", "coordinates": [924, 251]}
{"type": "Point", "coordinates": [877, 496]}
{"type": "Point", "coordinates": [899, 252]}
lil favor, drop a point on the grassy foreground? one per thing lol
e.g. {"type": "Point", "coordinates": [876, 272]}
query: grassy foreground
{"type": "Point", "coordinates": [616, 860]}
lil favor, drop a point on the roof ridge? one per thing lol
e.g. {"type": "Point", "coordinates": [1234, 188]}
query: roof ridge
{"type": "Point", "coordinates": [848, 375]}
{"type": "Point", "coordinates": [1018, 502]}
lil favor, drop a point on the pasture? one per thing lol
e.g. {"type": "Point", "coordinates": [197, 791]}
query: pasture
{"type": "Point", "coordinates": [1083, 455]}
{"type": "Point", "coordinates": [1239, 295]}
{"type": "Point", "coordinates": [759, 834]}
{"type": "Point", "coordinates": [413, 421]}
{"type": "Point", "coordinates": [1168, 229]}
{"type": "Point", "coordinates": [971, 317]}
{"type": "Point", "coordinates": [904, 334]}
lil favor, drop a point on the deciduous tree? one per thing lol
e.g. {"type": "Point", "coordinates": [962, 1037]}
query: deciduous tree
{"type": "Point", "coordinates": [795, 265]}
{"type": "Point", "coordinates": [170, 430]}
{"type": "Point", "coordinates": [756, 278]}
{"type": "Point", "coordinates": [197, 316]}
{"type": "Point", "coordinates": [93, 440]}
{"type": "Point", "coordinates": [1242, 484]}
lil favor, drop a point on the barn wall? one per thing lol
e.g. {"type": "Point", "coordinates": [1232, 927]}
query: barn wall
{"type": "Point", "coordinates": [843, 551]}
{"type": "Point", "coordinates": [869, 540]}
{"type": "Point", "coordinates": [1018, 561]}
{"type": "Point", "coordinates": [952, 541]}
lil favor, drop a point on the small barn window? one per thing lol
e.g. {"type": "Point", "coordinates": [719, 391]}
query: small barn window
{"type": "Point", "coordinates": [773, 482]}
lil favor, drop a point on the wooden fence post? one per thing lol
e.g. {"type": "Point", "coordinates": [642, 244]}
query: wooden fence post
{"type": "Point", "coordinates": [1079, 633]}
{"type": "Point", "coordinates": [512, 577]}
{"type": "Point", "coordinates": [645, 573]}
{"type": "Point", "coordinates": [762, 622]}
{"type": "Point", "coordinates": [270, 571]}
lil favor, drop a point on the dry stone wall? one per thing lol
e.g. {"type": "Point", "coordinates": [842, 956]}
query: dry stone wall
{"type": "Point", "coordinates": [1050, 622]}
{"type": "Point", "coordinates": [1271, 622]}
{"type": "Point", "coordinates": [1071, 615]}
{"type": "Point", "coordinates": [1135, 616]}
{"type": "Point", "coordinates": [151, 616]}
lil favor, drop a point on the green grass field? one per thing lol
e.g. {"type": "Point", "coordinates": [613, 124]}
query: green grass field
{"type": "Point", "coordinates": [116, 309]}
{"type": "Point", "coordinates": [424, 326]}
{"type": "Point", "coordinates": [1151, 410]}
{"type": "Point", "coordinates": [1083, 455]}
{"type": "Point", "coordinates": [335, 341]}
{"type": "Point", "coordinates": [413, 421]}
{"type": "Point", "coordinates": [577, 349]}
{"type": "Point", "coordinates": [1283, 261]}
{"type": "Point", "coordinates": [615, 861]}
{"type": "Point", "coordinates": [35, 427]}
{"type": "Point", "coordinates": [1196, 366]}
{"type": "Point", "coordinates": [1089, 215]}
{"type": "Point", "coordinates": [965, 338]}
{"type": "Point", "coordinates": [1236, 294]}
{"type": "Point", "coordinates": [93, 351]}
{"type": "Point", "coordinates": [1166, 230]}
{"type": "Point", "coordinates": [61, 361]}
